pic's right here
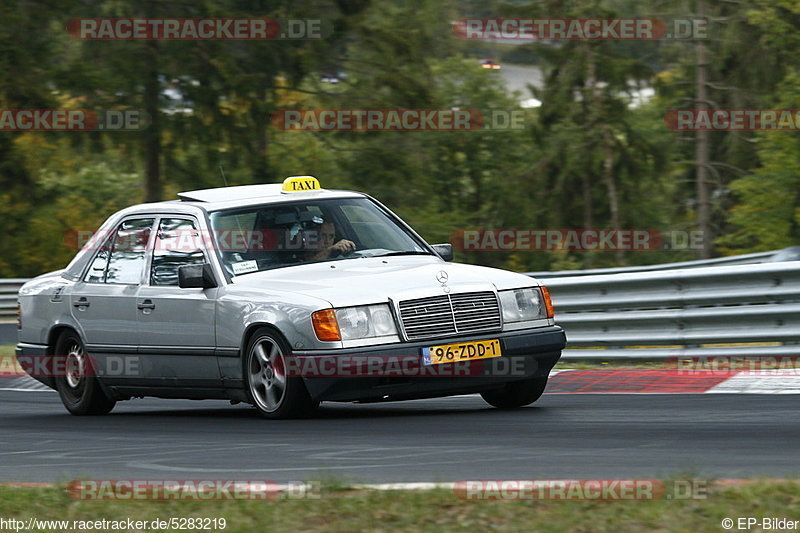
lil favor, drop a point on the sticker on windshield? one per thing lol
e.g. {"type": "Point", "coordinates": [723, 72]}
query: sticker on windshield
{"type": "Point", "coordinates": [244, 267]}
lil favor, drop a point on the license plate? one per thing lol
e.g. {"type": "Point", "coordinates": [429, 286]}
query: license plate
{"type": "Point", "coordinates": [462, 351]}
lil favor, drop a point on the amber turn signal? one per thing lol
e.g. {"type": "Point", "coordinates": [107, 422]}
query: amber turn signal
{"type": "Point", "coordinates": [325, 325]}
{"type": "Point", "coordinates": [548, 303]}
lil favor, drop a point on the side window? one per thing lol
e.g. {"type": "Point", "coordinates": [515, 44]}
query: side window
{"type": "Point", "coordinates": [127, 258]}
{"type": "Point", "coordinates": [177, 243]}
{"type": "Point", "coordinates": [97, 271]}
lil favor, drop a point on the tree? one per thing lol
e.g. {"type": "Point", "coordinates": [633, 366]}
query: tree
{"type": "Point", "coordinates": [766, 215]}
{"type": "Point", "coordinates": [730, 66]}
{"type": "Point", "coordinates": [227, 89]}
{"type": "Point", "coordinates": [592, 156]}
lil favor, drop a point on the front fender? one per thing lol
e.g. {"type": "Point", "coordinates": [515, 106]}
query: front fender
{"type": "Point", "coordinates": [238, 312]}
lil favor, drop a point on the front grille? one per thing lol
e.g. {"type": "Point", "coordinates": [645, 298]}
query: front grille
{"type": "Point", "coordinates": [448, 314]}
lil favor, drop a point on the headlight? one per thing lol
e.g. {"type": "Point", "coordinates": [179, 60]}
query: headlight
{"type": "Point", "coordinates": [522, 305]}
{"type": "Point", "coordinates": [365, 321]}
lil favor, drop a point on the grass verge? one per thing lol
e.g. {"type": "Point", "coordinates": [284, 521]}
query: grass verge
{"type": "Point", "coordinates": [598, 364]}
{"type": "Point", "coordinates": [8, 362]}
{"type": "Point", "coordinates": [430, 510]}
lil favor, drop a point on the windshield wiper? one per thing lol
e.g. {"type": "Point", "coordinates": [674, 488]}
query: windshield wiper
{"type": "Point", "coordinates": [410, 252]}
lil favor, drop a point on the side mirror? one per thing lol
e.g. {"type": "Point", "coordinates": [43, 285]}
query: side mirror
{"type": "Point", "coordinates": [445, 251]}
{"type": "Point", "coordinates": [196, 277]}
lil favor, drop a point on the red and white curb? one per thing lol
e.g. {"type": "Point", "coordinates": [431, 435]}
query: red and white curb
{"type": "Point", "coordinates": [656, 381]}
{"type": "Point", "coordinates": [769, 382]}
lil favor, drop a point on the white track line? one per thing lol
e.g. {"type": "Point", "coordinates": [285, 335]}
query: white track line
{"type": "Point", "coordinates": [403, 486]}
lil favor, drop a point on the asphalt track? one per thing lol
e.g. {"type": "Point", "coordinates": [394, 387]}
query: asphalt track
{"type": "Point", "coordinates": [562, 435]}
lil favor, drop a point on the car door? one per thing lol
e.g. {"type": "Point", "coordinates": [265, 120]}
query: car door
{"type": "Point", "coordinates": [104, 301]}
{"type": "Point", "coordinates": [176, 326]}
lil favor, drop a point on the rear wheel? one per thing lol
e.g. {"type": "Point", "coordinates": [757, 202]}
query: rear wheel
{"type": "Point", "coordinates": [78, 388]}
{"type": "Point", "coordinates": [274, 393]}
{"type": "Point", "coordinates": [516, 394]}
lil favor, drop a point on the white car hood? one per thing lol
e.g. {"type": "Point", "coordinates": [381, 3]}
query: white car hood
{"type": "Point", "coordinates": [374, 280]}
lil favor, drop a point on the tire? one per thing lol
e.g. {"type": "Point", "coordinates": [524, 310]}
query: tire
{"type": "Point", "coordinates": [79, 389]}
{"type": "Point", "coordinates": [516, 394]}
{"type": "Point", "coordinates": [274, 394]}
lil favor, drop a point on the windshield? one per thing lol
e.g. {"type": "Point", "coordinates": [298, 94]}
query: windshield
{"type": "Point", "coordinates": [283, 234]}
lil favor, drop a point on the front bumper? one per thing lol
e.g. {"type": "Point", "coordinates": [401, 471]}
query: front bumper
{"type": "Point", "coordinates": [402, 376]}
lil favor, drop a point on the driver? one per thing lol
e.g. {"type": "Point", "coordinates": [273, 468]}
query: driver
{"type": "Point", "coordinates": [326, 247]}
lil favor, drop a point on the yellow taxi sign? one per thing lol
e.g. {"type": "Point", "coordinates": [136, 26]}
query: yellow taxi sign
{"type": "Point", "coordinates": [300, 184]}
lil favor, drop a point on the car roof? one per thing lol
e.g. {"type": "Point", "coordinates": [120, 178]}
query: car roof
{"type": "Point", "coordinates": [209, 200]}
{"type": "Point", "coordinates": [246, 195]}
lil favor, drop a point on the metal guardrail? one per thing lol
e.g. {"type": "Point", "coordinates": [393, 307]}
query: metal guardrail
{"type": "Point", "coordinates": [786, 254]}
{"type": "Point", "coordinates": [751, 310]}
{"type": "Point", "coordinates": [8, 296]}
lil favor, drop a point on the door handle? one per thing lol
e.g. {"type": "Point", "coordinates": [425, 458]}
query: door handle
{"type": "Point", "coordinates": [82, 302]}
{"type": "Point", "coordinates": [146, 304]}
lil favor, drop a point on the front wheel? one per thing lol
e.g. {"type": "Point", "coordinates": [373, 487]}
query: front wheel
{"type": "Point", "coordinates": [516, 394]}
{"type": "Point", "coordinates": [78, 388]}
{"type": "Point", "coordinates": [271, 390]}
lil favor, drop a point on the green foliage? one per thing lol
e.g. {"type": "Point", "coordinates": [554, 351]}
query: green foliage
{"type": "Point", "coordinates": [77, 192]}
{"type": "Point", "coordinates": [767, 214]}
